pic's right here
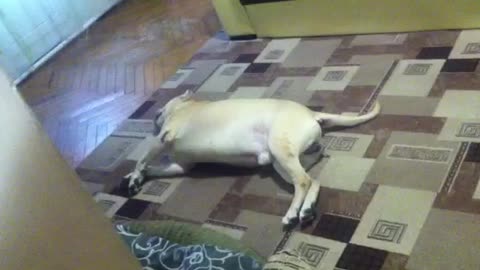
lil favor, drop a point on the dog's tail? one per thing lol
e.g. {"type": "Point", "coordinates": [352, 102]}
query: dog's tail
{"type": "Point", "coordinates": [330, 120]}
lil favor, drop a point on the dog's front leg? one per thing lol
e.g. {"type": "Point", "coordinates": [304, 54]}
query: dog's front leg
{"type": "Point", "coordinates": [137, 177]}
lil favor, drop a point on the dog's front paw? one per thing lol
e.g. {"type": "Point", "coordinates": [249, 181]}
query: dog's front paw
{"type": "Point", "coordinates": [135, 181]}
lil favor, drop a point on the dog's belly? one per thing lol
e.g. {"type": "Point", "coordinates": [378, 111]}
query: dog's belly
{"type": "Point", "coordinates": [235, 145]}
{"type": "Point", "coordinates": [249, 156]}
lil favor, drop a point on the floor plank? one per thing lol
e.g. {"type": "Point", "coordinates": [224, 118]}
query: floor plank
{"type": "Point", "coordinates": [97, 81]}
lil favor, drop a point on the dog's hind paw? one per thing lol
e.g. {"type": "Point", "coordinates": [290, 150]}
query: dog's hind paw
{"type": "Point", "coordinates": [290, 220]}
{"type": "Point", "coordinates": [307, 215]}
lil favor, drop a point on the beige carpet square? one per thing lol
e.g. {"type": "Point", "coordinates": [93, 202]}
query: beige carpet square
{"type": "Point", "coordinates": [393, 219]}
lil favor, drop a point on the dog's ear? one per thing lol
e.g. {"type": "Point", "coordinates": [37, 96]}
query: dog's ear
{"type": "Point", "coordinates": [156, 128]}
{"type": "Point", "coordinates": [187, 95]}
{"type": "Point", "coordinates": [156, 124]}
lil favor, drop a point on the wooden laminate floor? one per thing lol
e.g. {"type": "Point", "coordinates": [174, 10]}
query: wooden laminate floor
{"type": "Point", "coordinates": [84, 92]}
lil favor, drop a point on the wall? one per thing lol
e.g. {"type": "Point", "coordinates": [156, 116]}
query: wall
{"type": "Point", "coordinates": [29, 29]}
{"type": "Point", "coordinates": [47, 220]}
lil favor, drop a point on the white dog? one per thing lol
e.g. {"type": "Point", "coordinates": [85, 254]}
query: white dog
{"type": "Point", "coordinates": [241, 132]}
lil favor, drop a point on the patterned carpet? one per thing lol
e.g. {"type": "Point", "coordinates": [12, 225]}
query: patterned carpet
{"type": "Point", "coordinates": [398, 192]}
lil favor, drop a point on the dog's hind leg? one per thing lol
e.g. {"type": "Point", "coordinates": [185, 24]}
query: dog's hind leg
{"type": "Point", "coordinates": [287, 164]}
{"type": "Point", "coordinates": [307, 213]}
{"type": "Point", "coordinates": [290, 136]}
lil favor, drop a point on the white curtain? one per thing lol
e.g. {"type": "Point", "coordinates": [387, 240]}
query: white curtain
{"type": "Point", "coordinates": [29, 29]}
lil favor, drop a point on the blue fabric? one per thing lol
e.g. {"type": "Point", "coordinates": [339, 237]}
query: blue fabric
{"type": "Point", "coordinates": [155, 253]}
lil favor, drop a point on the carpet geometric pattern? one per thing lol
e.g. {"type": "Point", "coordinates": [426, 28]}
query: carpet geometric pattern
{"type": "Point", "coordinates": [410, 197]}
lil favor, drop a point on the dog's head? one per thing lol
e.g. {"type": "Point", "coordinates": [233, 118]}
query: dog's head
{"type": "Point", "coordinates": [164, 113]}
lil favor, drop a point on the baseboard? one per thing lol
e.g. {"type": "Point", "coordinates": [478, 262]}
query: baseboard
{"type": "Point", "coordinates": [61, 45]}
{"type": "Point", "coordinates": [244, 37]}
